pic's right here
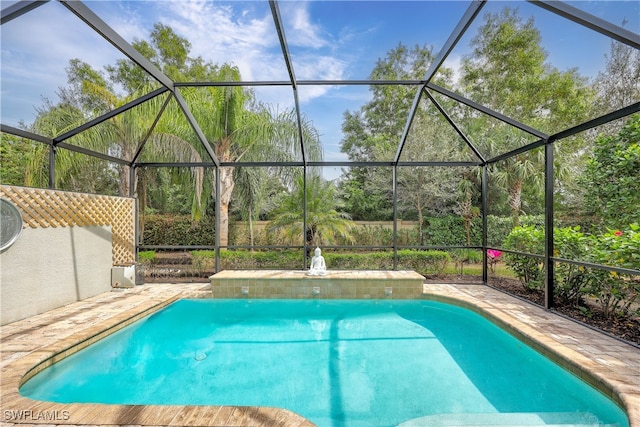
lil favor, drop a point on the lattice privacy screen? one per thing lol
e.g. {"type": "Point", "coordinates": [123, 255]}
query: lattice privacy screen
{"type": "Point", "coordinates": [51, 208]}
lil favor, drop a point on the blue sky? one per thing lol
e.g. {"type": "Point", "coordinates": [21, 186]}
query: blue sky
{"type": "Point", "coordinates": [330, 40]}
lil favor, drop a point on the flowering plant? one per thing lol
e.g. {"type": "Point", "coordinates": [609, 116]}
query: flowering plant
{"type": "Point", "coordinates": [493, 255]}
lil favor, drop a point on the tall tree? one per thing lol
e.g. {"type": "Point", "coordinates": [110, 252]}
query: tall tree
{"type": "Point", "coordinates": [612, 178]}
{"type": "Point", "coordinates": [373, 132]}
{"type": "Point", "coordinates": [239, 129]}
{"type": "Point", "coordinates": [618, 85]}
{"type": "Point", "coordinates": [508, 72]}
{"type": "Point", "coordinates": [234, 124]}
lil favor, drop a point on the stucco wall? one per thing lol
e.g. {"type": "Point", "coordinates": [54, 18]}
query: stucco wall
{"type": "Point", "coordinates": [50, 267]}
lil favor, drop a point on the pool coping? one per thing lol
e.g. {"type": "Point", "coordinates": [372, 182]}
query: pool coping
{"type": "Point", "coordinates": [607, 363]}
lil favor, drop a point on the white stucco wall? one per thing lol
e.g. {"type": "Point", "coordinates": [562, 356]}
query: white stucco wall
{"type": "Point", "coordinates": [49, 267]}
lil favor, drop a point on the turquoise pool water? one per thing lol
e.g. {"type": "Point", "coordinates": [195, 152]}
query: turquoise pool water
{"type": "Point", "coordinates": [337, 363]}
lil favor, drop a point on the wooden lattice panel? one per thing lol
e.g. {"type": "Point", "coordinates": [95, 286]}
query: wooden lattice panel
{"type": "Point", "coordinates": [50, 208]}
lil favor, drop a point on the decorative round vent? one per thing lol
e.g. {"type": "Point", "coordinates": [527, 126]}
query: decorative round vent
{"type": "Point", "coordinates": [10, 224]}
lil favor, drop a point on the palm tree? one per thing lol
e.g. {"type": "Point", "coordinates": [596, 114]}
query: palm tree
{"type": "Point", "coordinates": [255, 190]}
{"type": "Point", "coordinates": [324, 223]}
{"type": "Point", "coordinates": [119, 136]}
{"type": "Point", "coordinates": [239, 129]}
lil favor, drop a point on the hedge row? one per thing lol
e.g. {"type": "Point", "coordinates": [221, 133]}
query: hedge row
{"type": "Point", "coordinates": [438, 231]}
{"type": "Point", "coordinates": [424, 262]}
{"type": "Point", "coordinates": [178, 230]}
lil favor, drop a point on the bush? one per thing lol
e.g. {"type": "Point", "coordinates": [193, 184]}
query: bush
{"type": "Point", "coordinates": [449, 231]}
{"type": "Point", "coordinates": [528, 269]}
{"type": "Point", "coordinates": [570, 280]}
{"type": "Point", "coordinates": [356, 261]}
{"type": "Point", "coordinates": [178, 230]}
{"type": "Point", "coordinates": [616, 293]}
{"type": "Point", "coordinates": [498, 228]}
{"type": "Point", "coordinates": [424, 262]}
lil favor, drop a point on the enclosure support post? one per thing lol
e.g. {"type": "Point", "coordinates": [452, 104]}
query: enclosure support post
{"type": "Point", "coordinates": [394, 187]}
{"type": "Point", "coordinates": [136, 218]}
{"type": "Point", "coordinates": [548, 225]}
{"type": "Point", "coordinates": [132, 181]}
{"type": "Point", "coordinates": [52, 166]}
{"type": "Point", "coordinates": [304, 216]}
{"type": "Point", "coordinates": [217, 222]}
{"type": "Point", "coordinates": [483, 193]}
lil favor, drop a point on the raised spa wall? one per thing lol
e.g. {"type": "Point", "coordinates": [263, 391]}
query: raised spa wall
{"type": "Point", "coordinates": [337, 284]}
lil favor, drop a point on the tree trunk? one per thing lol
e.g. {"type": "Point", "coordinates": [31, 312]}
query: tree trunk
{"type": "Point", "coordinates": [466, 211]}
{"type": "Point", "coordinates": [515, 202]}
{"type": "Point", "coordinates": [420, 220]}
{"type": "Point", "coordinates": [226, 188]}
{"type": "Point", "coordinates": [251, 227]}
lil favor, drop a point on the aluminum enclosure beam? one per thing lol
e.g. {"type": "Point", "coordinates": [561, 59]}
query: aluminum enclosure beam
{"type": "Point", "coordinates": [18, 9]}
{"type": "Point", "coordinates": [487, 111]}
{"type": "Point", "coordinates": [455, 127]}
{"type": "Point", "coordinates": [590, 21]}
{"type": "Point", "coordinates": [305, 83]}
{"type": "Point", "coordinates": [109, 115]}
{"type": "Point", "coordinates": [50, 141]}
{"type": "Point", "coordinates": [300, 164]}
{"type": "Point", "coordinates": [277, 20]}
{"type": "Point", "coordinates": [598, 121]}
{"type": "Point", "coordinates": [138, 152]}
{"type": "Point", "coordinates": [25, 134]}
{"type": "Point", "coordinates": [196, 128]}
{"type": "Point", "coordinates": [548, 227]}
{"type": "Point", "coordinates": [455, 36]}
{"type": "Point", "coordinates": [92, 153]}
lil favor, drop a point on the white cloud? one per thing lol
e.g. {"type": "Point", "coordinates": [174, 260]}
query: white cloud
{"type": "Point", "coordinates": [37, 47]}
{"type": "Point", "coordinates": [454, 62]}
{"type": "Point", "coordinates": [303, 32]}
{"type": "Point", "coordinates": [221, 34]}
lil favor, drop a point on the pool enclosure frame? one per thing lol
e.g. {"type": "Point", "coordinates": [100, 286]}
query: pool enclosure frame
{"type": "Point", "coordinates": [426, 88]}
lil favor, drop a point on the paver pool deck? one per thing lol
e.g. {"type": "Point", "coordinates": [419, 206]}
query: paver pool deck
{"type": "Point", "coordinates": [608, 363]}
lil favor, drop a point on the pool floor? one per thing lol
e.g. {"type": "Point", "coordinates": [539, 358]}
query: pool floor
{"type": "Point", "coordinates": [27, 342]}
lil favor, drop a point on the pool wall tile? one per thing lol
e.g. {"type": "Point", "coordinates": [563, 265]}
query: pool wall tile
{"type": "Point", "coordinates": [340, 284]}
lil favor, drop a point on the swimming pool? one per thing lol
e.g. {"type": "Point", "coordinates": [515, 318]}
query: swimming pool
{"type": "Point", "coordinates": [337, 363]}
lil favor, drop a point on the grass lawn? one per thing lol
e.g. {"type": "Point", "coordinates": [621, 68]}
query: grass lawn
{"type": "Point", "coordinates": [501, 270]}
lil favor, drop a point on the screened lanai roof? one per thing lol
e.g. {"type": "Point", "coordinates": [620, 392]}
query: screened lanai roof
{"type": "Point", "coordinates": [315, 57]}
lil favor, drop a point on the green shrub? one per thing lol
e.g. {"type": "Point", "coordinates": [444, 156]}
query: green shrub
{"type": "Point", "coordinates": [570, 280]}
{"type": "Point", "coordinates": [498, 228]}
{"type": "Point", "coordinates": [352, 261]}
{"type": "Point", "coordinates": [178, 230]}
{"type": "Point", "coordinates": [423, 262]}
{"type": "Point", "coordinates": [616, 293]}
{"type": "Point", "coordinates": [528, 269]}
{"type": "Point", "coordinates": [446, 230]}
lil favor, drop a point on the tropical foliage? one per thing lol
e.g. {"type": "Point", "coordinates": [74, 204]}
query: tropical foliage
{"type": "Point", "coordinates": [324, 222]}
